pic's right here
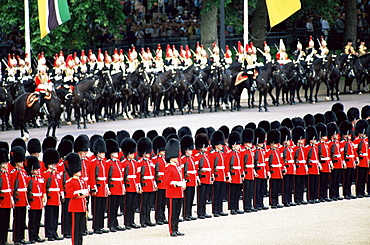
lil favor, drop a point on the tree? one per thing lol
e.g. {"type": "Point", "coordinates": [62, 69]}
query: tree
{"type": "Point", "coordinates": [351, 22]}
{"type": "Point", "coordinates": [208, 24]}
{"type": "Point", "coordinates": [260, 23]}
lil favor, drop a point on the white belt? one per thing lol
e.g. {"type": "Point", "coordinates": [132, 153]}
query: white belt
{"type": "Point", "coordinates": [301, 161]}
{"type": "Point", "coordinates": [314, 161]}
{"type": "Point", "coordinates": [21, 189]}
{"type": "Point", "coordinates": [351, 156]}
{"type": "Point", "coordinates": [82, 191]}
{"type": "Point", "coordinates": [325, 158]}
{"type": "Point", "coordinates": [336, 155]}
{"type": "Point", "coordinates": [290, 161]}
{"type": "Point", "coordinates": [220, 167]}
{"type": "Point", "coordinates": [148, 177]}
{"type": "Point", "coordinates": [54, 189]}
{"type": "Point", "coordinates": [192, 172]}
{"type": "Point", "coordinates": [131, 176]}
{"type": "Point", "coordinates": [261, 164]}
{"type": "Point", "coordinates": [207, 169]}
{"type": "Point", "coordinates": [116, 179]}
{"type": "Point", "coordinates": [37, 194]}
{"type": "Point", "coordinates": [249, 166]}
{"type": "Point", "coordinates": [364, 154]}
{"type": "Point", "coordinates": [160, 173]}
{"type": "Point", "coordinates": [6, 190]}
{"type": "Point", "coordinates": [276, 165]}
{"type": "Point", "coordinates": [102, 178]}
{"type": "Point", "coordinates": [85, 178]}
{"type": "Point", "coordinates": [237, 167]}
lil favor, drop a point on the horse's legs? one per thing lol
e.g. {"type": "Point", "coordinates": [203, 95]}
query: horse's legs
{"type": "Point", "coordinates": [265, 101]}
{"type": "Point", "coordinates": [260, 102]}
{"type": "Point", "coordinates": [317, 90]}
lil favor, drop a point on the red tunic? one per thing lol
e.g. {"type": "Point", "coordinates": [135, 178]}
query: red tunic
{"type": "Point", "coordinates": [218, 165]}
{"type": "Point", "coordinates": [324, 156]}
{"type": "Point", "coordinates": [275, 163]}
{"type": "Point", "coordinates": [361, 151]}
{"type": "Point", "coordinates": [287, 154]}
{"type": "Point", "coordinates": [6, 193]}
{"type": "Point", "coordinates": [190, 170]}
{"type": "Point", "coordinates": [98, 177]}
{"type": "Point", "coordinates": [38, 82]}
{"type": "Point", "coordinates": [312, 159]}
{"type": "Point", "coordinates": [260, 161]}
{"type": "Point", "coordinates": [130, 173]}
{"type": "Point", "coordinates": [20, 195]}
{"type": "Point", "coordinates": [74, 186]}
{"type": "Point", "coordinates": [347, 149]}
{"type": "Point", "coordinates": [205, 170]}
{"type": "Point", "coordinates": [173, 175]}
{"type": "Point", "coordinates": [116, 179]}
{"type": "Point", "coordinates": [159, 163]}
{"type": "Point", "coordinates": [248, 160]}
{"type": "Point", "coordinates": [37, 192]}
{"type": "Point", "coordinates": [300, 160]}
{"type": "Point", "coordinates": [234, 162]}
{"type": "Point", "coordinates": [85, 164]}
{"type": "Point", "coordinates": [52, 187]}
{"type": "Point", "coordinates": [336, 156]}
{"type": "Point", "coordinates": [146, 175]}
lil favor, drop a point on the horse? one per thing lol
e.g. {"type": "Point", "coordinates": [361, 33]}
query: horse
{"type": "Point", "coordinates": [346, 64]}
{"type": "Point", "coordinates": [142, 90]}
{"type": "Point", "coordinates": [264, 85]}
{"type": "Point", "coordinates": [201, 87]}
{"type": "Point", "coordinates": [333, 77]}
{"type": "Point", "coordinates": [246, 75]}
{"type": "Point", "coordinates": [109, 93]}
{"type": "Point", "coordinates": [22, 114]}
{"type": "Point", "coordinates": [127, 93]}
{"type": "Point", "coordinates": [214, 86]}
{"type": "Point", "coordinates": [225, 85]}
{"type": "Point", "coordinates": [361, 69]}
{"type": "Point", "coordinates": [160, 88]}
{"type": "Point", "coordinates": [318, 76]}
{"type": "Point", "coordinates": [184, 87]}
{"type": "Point", "coordinates": [65, 98]}
{"type": "Point", "coordinates": [5, 108]}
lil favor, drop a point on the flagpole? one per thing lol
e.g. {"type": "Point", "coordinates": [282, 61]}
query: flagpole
{"type": "Point", "coordinates": [246, 24]}
{"type": "Point", "coordinates": [27, 30]}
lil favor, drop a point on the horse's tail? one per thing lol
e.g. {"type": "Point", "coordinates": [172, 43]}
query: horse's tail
{"type": "Point", "coordinates": [17, 111]}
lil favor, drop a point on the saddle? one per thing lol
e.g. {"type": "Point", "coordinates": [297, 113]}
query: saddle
{"type": "Point", "coordinates": [240, 78]}
{"type": "Point", "coordinates": [32, 98]}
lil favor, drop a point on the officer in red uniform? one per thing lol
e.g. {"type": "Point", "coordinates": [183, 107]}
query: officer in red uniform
{"type": "Point", "coordinates": [147, 181]}
{"type": "Point", "coordinates": [36, 197]}
{"type": "Point", "coordinates": [76, 191]}
{"type": "Point", "coordinates": [249, 170]}
{"type": "Point", "coordinates": [347, 149]}
{"type": "Point", "coordinates": [18, 183]}
{"type": "Point", "coordinates": [313, 165]}
{"type": "Point", "coordinates": [159, 160]}
{"type": "Point", "coordinates": [53, 183]}
{"type": "Point", "coordinates": [362, 154]}
{"type": "Point", "coordinates": [115, 183]}
{"type": "Point", "coordinates": [6, 197]}
{"type": "Point", "coordinates": [43, 86]}
{"type": "Point", "coordinates": [99, 185]}
{"type": "Point", "coordinates": [176, 185]}
{"type": "Point", "coordinates": [34, 149]}
{"type": "Point", "coordinates": [190, 168]}
{"type": "Point", "coordinates": [218, 166]}
{"type": "Point", "coordinates": [130, 166]}
{"type": "Point", "coordinates": [234, 168]}
{"type": "Point", "coordinates": [205, 173]}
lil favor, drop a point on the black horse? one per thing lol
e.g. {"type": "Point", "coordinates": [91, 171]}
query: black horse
{"type": "Point", "coordinates": [65, 98]}
{"type": "Point", "coordinates": [346, 64]}
{"type": "Point", "coordinates": [22, 113]}
{"type": "Point", "coordinates": [214, 86]}
{"type": "Point", "coordinates": [184, 83]}
{"type": "Point", "coordinates": [142, 92]}
{"type": "Point", "coordinates": [160, 88]}
{"type": "Point", "coordinates": [362, 71]}
{"type": "Point", "coordinates": [333, 77]}
{"type": "Point", "coordinates": [225, 84]}
{"type": "Point", "coordinates": [201, 87]}
{"type": "Point", "coordinates": [264, 85]}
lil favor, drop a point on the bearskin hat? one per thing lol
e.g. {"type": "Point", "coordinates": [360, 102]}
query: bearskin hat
{"type": "Point", "coordinates": [337, 107]}
{"type": "Point", "coordinates": [285, 134]}
{"type": "Point", "coordinates": [138, 134]}
{"type": "Point", "coordinates": [345, 128]}
{"type": "Point", "coordinates": [201, 131]}
{"type": "Point", "coordinates": [234, 138]}
{"type": "Point", "coordinates": [112, 146]}
{"type": "Point", "coordinates": [65, 147]}
{"type": "Point", "coordinates": [68, 137]}
{"type": "Point", "coordinates": [361, 127]}
{"type": "Point", "coordinates": [109, 135]}
{"type": "Point", "coordinates": [217, 138]}
{"type": "Point", "coordinates": [341, 116]}
{"type": "Point", "coordinates": [237, 128]}
{"type": "Point", "coordinates": [298, 122]}
{"type": "Point", "coordinates": [265, 125]}
{"type": "Point", "coordinates": [287, 122]}
{"type": "Point", "coordinates": [225, 130]}
{"type": "Point", "coordinates": [144, 146]}
{"type": "Point", "coordinates": [201, 141]}
{"type": "Point", "coordinates": [186, 143]}
{"type": "Point", "coordinates": [4, 145]}
{"type": "Point", "coordinates": [330, 117]}
{"type": "Point", "coordinates": [122, 134]}
{"type": "Point", "coordinates": [151, 134]}
{"type": "Point", "coordinates": [17, 154]}
{"type": "Point", "coordinates": [172, 136]}
{"type": "Point", "coordinates": [99, 146]}
{"type": "Point", "coordinates": [82, 143]}
{"type": "Point", "coordinates": [251, 125]}
{"type": "Point", "coordinates": [332, 128]}
{"type": "Point", "coordinates": [309, 120]}
{"type": "Point", "coordinates": [93, 139]}
{"type": "Point", "coordinates": [311, 134]}
{"type": "Point", "coordinates": [159, 144]}
{"type": "Point", "coordinates": [31, 163]}
{"type": "Point", "coordinates": [172, 149]}
{"type": "Point", "coordinates": [298, 133]}
{"type": "Point", "coordinates": [273, 137]}
{"type": "Point", "coordinates": [128, 146]}
{"type": "Point", "coordinates": [321, 130]}
{"type": "Point", "coordinates": [18, 142]}
{"type": "Point", "coordinates": [50, 156]}
{"type": "Point", "coordinates": [353, 113]}
{"type": "Point", "coordinates": [184, 130]}
{"type": "Point", "coordinates": [167, 131]}
{"type": "Point", "coordinates": [34, 146]}
{"type": "Point", "coordinates": [49, 142]}
{"type": "Point", "coordinates": [319, 118]}
{"type": "Point", "coordinates": [4, 156]}
{"type": "Point", "coordinates": [275, 125]}
{"type": "Point", "coordinates": [210, 131]}
{"type": "Point", "coordinates": [72, 164]}
{"type": "Point", "coordinates": [259, 136]}
{"type": "Point", "coordinates": [365, 112]}
{"type": "Point", "coordinates": [248, 135]}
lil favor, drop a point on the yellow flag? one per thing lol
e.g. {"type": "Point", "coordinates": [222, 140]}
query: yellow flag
{"type": "Point", "coordinates": [279, 10]}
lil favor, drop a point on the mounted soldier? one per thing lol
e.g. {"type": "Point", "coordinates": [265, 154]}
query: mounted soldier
{"type": "Point", "coordinates": [25, 69]}
{"type": "Point", "coordinates": [299, 54]}
{"type": "Point", "coordinates": [188, 61]}
{"type": "Point", "coordinates": [100, 60]}
{"type": "Point", "coordinates": [12, 68]}
{"type": "Point", "coordinates": [92, 64]}
{"type": "Point", "coordinates": [145, 59]}
{"type": "Point", "coordinates": [362, 49]}
{"type": "Point", "coordinates": [122, 61]}
{"type": "Point", "coordinates": [116, 65]}
{"type": "Point", "coordinates": [323, 50]}
{"type": "Point", "coordinates": [57, 70]}
{"type": "Point", "coordinates": [176, 62]}
{"type": "Point", "coordinates": [228, 56]}
{"type": "Point", "coordinates": [310, 51]}
{"type": "Point", "coordinates": [215, 55]}
{"type": "Point", "coordinates": [44, 87]}
{"type": "Point", "coordinates": [266, 53]}
{"type": "Point", "coordinates": [83, 65]}
{"type": "Point", "coordinates": [69, 73]}
{"type": "Point", "coordinates": [282, 56]}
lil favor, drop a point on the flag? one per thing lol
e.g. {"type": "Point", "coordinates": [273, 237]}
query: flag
{"type": "Point", "coordinates": [52, 13]}
{"type": "Point", "coordinates": [279, 10]}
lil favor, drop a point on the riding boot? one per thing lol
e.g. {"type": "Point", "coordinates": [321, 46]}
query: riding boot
{"type": "Point", "coordinates": [42, 101]}
{"type": "Point", "coordinates": [254, 85]}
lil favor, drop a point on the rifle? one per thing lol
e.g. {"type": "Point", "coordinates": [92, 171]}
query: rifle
{"type": "Point", "coordinates": [201, 164]}
{"type": "Point", "coordinates": [359, 151]}
{"type": "Point", "coordinates": [127, 168]}
{"type": "Point", "coordinates": [156, 170]}
{"type": "Point", "coordinates": [142, 172]}
{"type": "Point", "coordinates": [245, 162]}
{"type": "Point", "coordinates": [29, 190]}
{"type": "Point", "coordinates": [256, 156]}
{"type": "Point", "coordinates": [345, 151]}
{"type": "Point", "coordinates": [16, 193]}
{"type": "Point", "coordinates": [231, 164]}
{"type": "Point", "coordinates": [64, 180]}
{"type": "Point", "coordinates": [186, 168]}
{"type": "Point", "coordinates": [270, 162]}
{"type": "Point", "coordinates": [215, 166]}
{"type": "Point", "coordinates": [309, 156]}
{"type": "Point", "coordinates": [48, 184]}
{"type": "Point", "coordinates": [319, 150]}
{"type": "Point", "coordinates": [110, 174]}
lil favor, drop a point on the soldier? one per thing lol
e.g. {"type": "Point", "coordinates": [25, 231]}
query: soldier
{"type": "Point", "coordinates": [100, 60]}
{"type": "Point", "coordinates": [299, 54]}
{"type": "Point", "coordinates": [362, 154]}
{"type": "Point", "coordinates": [77, 63]}
{"type": "Point", "coordinates": [159, 65]}
{"type": "Point", "coordinates": [84, 60]}
{"type": "Point", "coordinates": [266, 53]}
{"type": "Point", "coordinates": [92, 64]}
{"type": "Point", "coordinates": [116, 65]}
{"type": "Point", "coordinates": [169, 56]}
{"type": "Point", "coordinates": [36, 197]}
{"type": "Point", "coordinates": [313, 164]}
{"type": "Point", "coordinates": [145, 59]}
{"type": "Point", "coordinates": [6, 196]}
{"type": "Point", "coordinates": [25, 69]}
{"type": "Point", "coordinates": [34, 149]}
{"type": "Point", "coordinates": [176, 185]}
{"type": "Point", "coordinates": [11, 68]}
{"type": "Point", "coordinates": [159, 160]}
{"type": "Point", "coordinates": [362, 49]}
{"type": "Point", "coordinates": [348, 49]}
{"type": "Point", "coordinates": [310, 51]}
{"type": "Point", "coordinates": [57, 71]}
{"type": "Point", "coordinates": [215, 55]}
{"type": "Point", "coordinates": [240, 55]}
{"type": "Point", "coordinates": [107, 61]}
{"type": "Point", "coordinates": [176, 62]}
{"type": "Point", "coordinates": [43, 87]}
{"type": "Point", "coordinates": [146, 179]}
{"type": "Point", "coordinates": [188, 61]}
{"type": "Point", "coordinates": [122, 62]}
{"type": "Point", "coordinates": [228, 56]}
{"type": "Point", "coordinates": [115, 183]}
{"type": "Point", "coordinates": [182, 55]}
{"type": "Point", "coordinates": [323, 50]}
{"type": "Point", "coordinates": [76, 191]}
{"type": "Point", "coordinates": [282, 57]}
{"type": "Point", "coordinates": [98, 185]}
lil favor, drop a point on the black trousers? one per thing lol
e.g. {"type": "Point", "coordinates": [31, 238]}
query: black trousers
{"type": "Point", "coordinates": [78, 227]}
{"type": "Point", "coordinates": [5, 218]}
{"type": "Point", "coordinates": [300, 183]}
{"type": "Point", "coordinates": [145, 206]}
{"type": "Point", "coordinates": [51, 221]}
{"type": "Point", "coordinates": [113, 202]}
{"type": "Point", "coordinates": [248, 194]}
{"type": "Point", "coordinates": [189, 194]}
{"type": "Point", "coordinates": [313, 187]}
{"type": "Point", "coordinates": [324, 185]}
{"type": "Point", "coordinates": [218, 194]}
{"type": "Point", "coordinates": [234, 193]}
{"type": "Point", "coordinates": [275, 189]}
{"type": "Point", "coordinates": [66, 218]}
{"type": "Point", "coordinates": [334, 183]}
{"type": "Point", "coordinates": [349, 174]}
{"type": "Point", "coordinates": [259, 191]}
{"type": "Point", "coordinates": [160, 205]}
{"type": "Point", "coordinates": [34, 218]}
{"type": "Point", "coordinates": [19, 221]}
{"type": "Point", "coordinates": [99, 204]}
{"type": "Point", "coordinates": [361, 180]}
{"type": "Point", "coordinates": [130, 208]}
{"type": "Point", "coordinates": [174, 210]}
{"type": "Point", "coordinates": [288, 188]}
{"type": "Point", "coordinates": [202, 191]}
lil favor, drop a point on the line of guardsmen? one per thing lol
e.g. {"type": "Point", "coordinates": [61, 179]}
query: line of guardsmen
{"type": "Point", "coordinates": [318, 153]}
